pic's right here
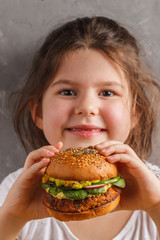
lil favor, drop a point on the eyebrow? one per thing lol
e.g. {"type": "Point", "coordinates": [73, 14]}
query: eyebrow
{"type": "Point", "coordinates": [110, 83]}
{"type": "Point", "coordinates": [99, 83]}
{"type": "Point", "coordinates": [63, 81]}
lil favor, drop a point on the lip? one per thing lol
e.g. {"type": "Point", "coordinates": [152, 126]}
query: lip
{"type": "Point", "coordinates": [86, 131]}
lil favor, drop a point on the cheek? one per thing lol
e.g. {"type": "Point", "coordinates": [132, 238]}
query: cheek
{"type": "Point", "coordinates": [117, 118]}
{"type": "Point", "coordinates": [53, 122]}
{"type": "Point", "coordinates": [55, 116]}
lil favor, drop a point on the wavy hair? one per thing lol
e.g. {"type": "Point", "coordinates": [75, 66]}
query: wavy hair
{"type": "Point", "coordinates": [118, 44]}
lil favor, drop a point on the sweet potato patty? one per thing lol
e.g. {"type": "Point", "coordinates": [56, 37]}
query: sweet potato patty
{"type": "Point", "coordinates": [75, 206]}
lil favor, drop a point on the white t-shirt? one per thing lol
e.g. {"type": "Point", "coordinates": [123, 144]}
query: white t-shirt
{"type": "Point", "coordinates": [139, 227]}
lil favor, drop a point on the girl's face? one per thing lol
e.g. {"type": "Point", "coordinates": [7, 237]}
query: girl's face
{"type": "Point", "coordinates": [87, 103]}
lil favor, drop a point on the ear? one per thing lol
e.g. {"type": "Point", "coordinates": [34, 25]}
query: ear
{"type": "Point", "coordinates": [36, 113]}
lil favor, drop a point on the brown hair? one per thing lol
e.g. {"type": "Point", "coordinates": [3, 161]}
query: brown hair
{"type": "Point", "coordinates": [117, 43]}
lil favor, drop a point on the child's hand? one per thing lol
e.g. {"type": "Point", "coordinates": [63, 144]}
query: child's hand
{"type": "Point", "coordinates": [24, 200]}
{"type": "Point", "coordinates": [142, 189]}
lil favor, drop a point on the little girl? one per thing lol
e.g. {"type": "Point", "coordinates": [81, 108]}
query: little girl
{"type": "Point", "coordinates": [87, 86]}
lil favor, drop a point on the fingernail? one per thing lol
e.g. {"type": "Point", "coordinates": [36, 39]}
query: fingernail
{"type": "Point", "coordinates": [108, 151]}
{"type": "Point", "coordinates": [47, 160]}
{"type": "Point", "coordinates": [105, 151]}
{"type": "Point", "coordinates": [99, 146]}
{"type": "Point", "coordinates": [49, 153]}
{"type": "Point", "coordinates": [55, 149]}
{"type": "Point", "coordinates": [110, 159]}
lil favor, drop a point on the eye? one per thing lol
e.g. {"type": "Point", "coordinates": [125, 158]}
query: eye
{"type": "Point", "coordinates": [67, 92]}
{"type": "Point", "coordinates": [107, 93]}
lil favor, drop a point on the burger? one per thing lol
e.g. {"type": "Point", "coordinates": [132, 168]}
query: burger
{"type": "Point", "coordinates": [80, 184]}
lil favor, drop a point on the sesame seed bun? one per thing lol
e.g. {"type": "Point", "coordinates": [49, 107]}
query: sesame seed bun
{"type": "Point", "coordinates": [81, 164]}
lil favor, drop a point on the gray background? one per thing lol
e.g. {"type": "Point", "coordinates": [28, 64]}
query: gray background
{"type": "Point", "coordinates": [23, 26]}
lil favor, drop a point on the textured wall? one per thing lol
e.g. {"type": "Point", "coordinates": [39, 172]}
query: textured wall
{"type": "Point", "coordinates": [24, 24]}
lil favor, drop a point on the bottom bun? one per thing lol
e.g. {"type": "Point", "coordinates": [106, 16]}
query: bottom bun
{"type": "Point", "coordinates": [98, 211]}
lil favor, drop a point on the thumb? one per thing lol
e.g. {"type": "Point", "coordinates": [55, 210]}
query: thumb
{"type": "Point", "coordinates": [59, 145]}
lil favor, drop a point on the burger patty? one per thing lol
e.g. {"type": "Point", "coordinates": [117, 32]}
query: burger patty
{"type": "Point", "coordinates": [75, 206]}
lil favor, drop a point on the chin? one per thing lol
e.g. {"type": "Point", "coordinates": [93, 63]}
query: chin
{"type": "Point", "coordinates": [82, 142]}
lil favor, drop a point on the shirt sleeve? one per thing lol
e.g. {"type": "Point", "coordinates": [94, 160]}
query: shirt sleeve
{"type": "Point", "coordinates": [7, 183]}
{"type": "Point", "coordinates": [154, 168]}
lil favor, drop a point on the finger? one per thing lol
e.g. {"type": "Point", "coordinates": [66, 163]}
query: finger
{"type": "Point", "coordinates": [118, 148]}
{"type": "Point", "coordinates": [37, 155]}
{"type": "Point", "coordinates": [107, 144]}
{"type": "Point", "coordinates": [134, 165]}
{"type": "Point", "coordinates": [59, 145]}
{"type": "Point", "coordinates": [37, 169]}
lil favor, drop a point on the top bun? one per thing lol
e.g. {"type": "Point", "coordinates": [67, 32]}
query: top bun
{"type": "Point", "coordinates": [81, 164]}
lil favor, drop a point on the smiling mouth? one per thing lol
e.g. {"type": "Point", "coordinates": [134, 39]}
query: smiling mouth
{"type": "Point", "coordinates": [84, 129]}
{"type": "Point", "coordinates": [86, 132]}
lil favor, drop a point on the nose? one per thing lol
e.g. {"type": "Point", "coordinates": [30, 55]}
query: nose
{"type": "Point", "coordinates": [87, 105]}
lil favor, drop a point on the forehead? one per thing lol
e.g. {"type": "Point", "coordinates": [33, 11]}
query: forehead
{"type": "Point", "coordinates": [89, 64]}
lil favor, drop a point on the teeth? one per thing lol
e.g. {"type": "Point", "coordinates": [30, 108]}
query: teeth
{"type": "Point", "coordinates": [77, 129]}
